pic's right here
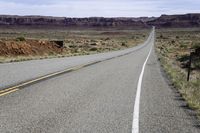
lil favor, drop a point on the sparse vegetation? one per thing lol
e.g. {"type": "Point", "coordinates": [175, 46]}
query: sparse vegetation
{"type": "Point", "coordinates": [38, 43]}
{"type": "Point", "coordinates": [174, 56]}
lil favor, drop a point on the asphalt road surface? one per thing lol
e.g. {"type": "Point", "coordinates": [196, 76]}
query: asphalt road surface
{"type": "Point", "coordinates": [100, 98]}
{"type": "Point", "coordinates": [15, 73]}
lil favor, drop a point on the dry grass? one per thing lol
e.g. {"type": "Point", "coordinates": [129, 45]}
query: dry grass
{"type": "Point", "coordinates": [173, 47]}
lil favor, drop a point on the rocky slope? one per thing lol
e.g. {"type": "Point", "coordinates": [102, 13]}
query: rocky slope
{"type": "Point", "coordinates": [176, 21]}
{"type": "Point", "coordinates": [186, 20]}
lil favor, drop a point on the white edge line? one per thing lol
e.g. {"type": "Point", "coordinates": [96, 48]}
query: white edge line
{"type": "Point", "coordinates": [135, 123]}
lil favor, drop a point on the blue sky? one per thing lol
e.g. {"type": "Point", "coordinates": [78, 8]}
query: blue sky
{"type": "Point", "coordinates": [97, 8]}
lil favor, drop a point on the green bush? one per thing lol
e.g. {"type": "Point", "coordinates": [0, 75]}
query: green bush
{"type": "Point", "coordinates": [20, 39]}
{"type": "Point", "coordinates": [173, 41]}
{"type": "Point", "coordinates": [93, 49]}
{"type": "Point", "coordinates": [196, 45]}
{"type": "Point", "coordinates": [123, 44]}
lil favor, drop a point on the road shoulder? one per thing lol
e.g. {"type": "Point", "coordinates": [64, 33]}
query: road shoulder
{"type": "Point", "coordinates": [162, 109]}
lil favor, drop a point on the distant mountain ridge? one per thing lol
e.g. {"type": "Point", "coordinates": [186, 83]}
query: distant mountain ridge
{"type": "Point", "coordinates": [177, 21]}
{"type": "Point", "coordinates": [164, 21]}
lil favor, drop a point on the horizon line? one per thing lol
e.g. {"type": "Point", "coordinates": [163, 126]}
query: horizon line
{"type": "Point", "coordinates": [35, 15]}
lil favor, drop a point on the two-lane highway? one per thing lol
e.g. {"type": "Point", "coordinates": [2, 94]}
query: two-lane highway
{"type": "Point", "coordinates": [100, 98]}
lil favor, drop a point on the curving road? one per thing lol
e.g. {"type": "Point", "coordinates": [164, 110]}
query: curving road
{"type": "Point", "coordinates": [100, 98]}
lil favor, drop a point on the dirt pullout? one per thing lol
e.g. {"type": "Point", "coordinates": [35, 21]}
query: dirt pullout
{"type": "Point", "coordinates": [28, 48]}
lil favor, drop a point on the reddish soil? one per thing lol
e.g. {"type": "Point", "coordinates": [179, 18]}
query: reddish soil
{"type": "Point", "coordinates": [28, 48]}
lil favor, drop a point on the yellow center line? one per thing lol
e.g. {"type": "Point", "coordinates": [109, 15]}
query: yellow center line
{"type": "Point", "coordinates": [8, 92]}
{"type": "Point", "coordinates": [15, 88]}
{"type": "Point", "coordinates": [77, 68]}
{"type": "Point", "coordinates": [8, 89]}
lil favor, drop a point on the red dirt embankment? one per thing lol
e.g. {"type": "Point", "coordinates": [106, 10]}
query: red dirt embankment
{"type": "Point", "coordinates": [28, 48]}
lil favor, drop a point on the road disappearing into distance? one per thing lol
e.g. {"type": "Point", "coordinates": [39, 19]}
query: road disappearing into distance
{"type": "Point", "coordinates": [116, 92]}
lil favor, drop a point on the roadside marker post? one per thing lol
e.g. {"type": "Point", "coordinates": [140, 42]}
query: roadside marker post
{"type": "Point", "coordinates": [189, 67]}
{"type": "Point", "coordinates": [190, 63]}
